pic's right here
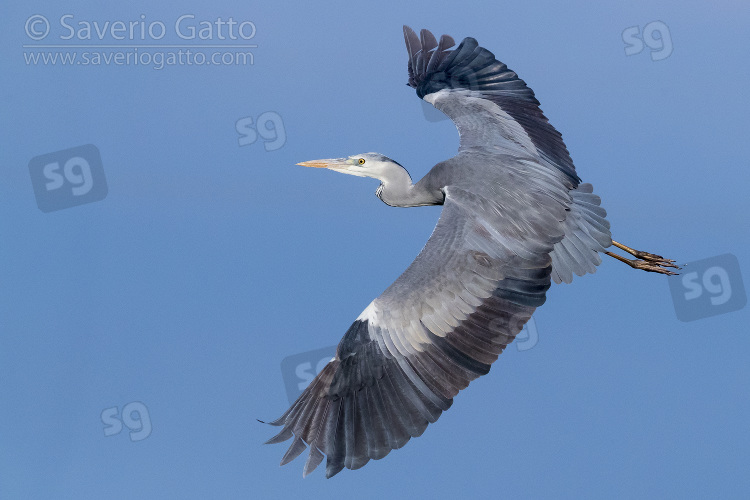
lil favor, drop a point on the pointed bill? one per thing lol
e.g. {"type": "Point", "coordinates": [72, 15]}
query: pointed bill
{"type": "Point", "coordinates": [326, 163]}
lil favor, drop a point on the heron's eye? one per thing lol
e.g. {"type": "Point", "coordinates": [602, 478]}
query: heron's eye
{"type": "Point", "coordinates": [361, 161]}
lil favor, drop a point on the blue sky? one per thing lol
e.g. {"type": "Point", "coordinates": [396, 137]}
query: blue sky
{"type": "Point", "coordinates": [205, 263]}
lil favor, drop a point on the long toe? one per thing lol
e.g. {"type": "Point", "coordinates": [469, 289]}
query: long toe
{"type": "Point", "coordinates": [654, 267]}
{"type": "Point", "coordinates": [654, 258]}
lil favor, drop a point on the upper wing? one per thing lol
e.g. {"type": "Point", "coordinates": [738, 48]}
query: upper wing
{"type": "Point", "coordinates": [495, 113]}
{"type": "Point", "coordinates": [491, 106]}
{"type": "Point", "coordinates": [440, 325]}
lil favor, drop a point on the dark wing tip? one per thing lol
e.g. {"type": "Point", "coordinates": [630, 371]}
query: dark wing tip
{"type": "Point", "coordinates": [313, 460]}
{"type": "Point", "coordinates": [413, 46]}
{"type": "Point", "coordinates": [446, 42]}
{"type": "Point", "coordinates": [429, 57]}
{"type": "Point", "coordinates": [427, 39]}
{"type": "Point", "coordinates": [295, 450]}
{"type": "Point", "coordinates": [469, 66]}
{"type": "Point", "coordinates": [359, 407]}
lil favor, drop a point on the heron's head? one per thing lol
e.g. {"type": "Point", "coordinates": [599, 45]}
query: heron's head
{"type": "Point", "coordinates": [372, 165]}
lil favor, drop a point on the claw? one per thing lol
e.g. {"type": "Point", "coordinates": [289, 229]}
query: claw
{"type": "Point", "coordinates": [648, 262]}
{"type": "Point", "coordinates": [654, 258]}
{"type": "Point", "coordinates": [653, 267]}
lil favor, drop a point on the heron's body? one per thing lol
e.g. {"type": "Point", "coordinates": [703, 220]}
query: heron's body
{"type": "Point", "coordinates": [515, 218]}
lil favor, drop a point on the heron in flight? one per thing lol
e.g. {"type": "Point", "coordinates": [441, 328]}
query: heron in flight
{"type": "Point", "coordinates": [515, 218]}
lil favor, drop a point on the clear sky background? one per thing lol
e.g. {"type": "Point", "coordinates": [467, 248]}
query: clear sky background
{"type": "Point", "coordinates": [208, 262]}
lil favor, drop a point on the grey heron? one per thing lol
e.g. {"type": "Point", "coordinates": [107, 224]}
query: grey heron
{"type": "Point", "coordinates": [515, 218]}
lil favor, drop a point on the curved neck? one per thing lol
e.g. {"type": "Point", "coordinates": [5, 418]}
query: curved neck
{"type": "Point", "coordinates": [396, 189]}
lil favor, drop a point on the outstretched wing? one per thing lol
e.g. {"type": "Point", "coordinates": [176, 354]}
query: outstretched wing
{"type": "Point", "coordinates": [439, 326]}
{"type": "Point", "coordinates": [496, 113]}
{"type": "Point", "coordinates": [494, 110]}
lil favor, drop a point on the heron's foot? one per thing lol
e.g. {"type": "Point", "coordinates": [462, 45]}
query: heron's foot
{"type": "Point", "coordinates": [656, 259]}
{"type": "Point", "coordinates": [650, 262]}
{"type": "Point", "coordinates": [645, 261]}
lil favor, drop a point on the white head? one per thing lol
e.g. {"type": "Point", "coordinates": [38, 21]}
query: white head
{"type": "Point", "coordinates": [396, 188]}
{"type": "Point", "coordinates": [372, 165]}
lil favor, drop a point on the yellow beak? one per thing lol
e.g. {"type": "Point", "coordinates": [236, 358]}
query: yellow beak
{"type": "Point", "coordinates": [314, 164]}
{"type": "Point", "coordinates": [334, 163]}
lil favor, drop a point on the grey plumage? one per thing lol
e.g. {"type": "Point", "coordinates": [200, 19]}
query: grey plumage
{"type": "Point", "coordinates": [515, 217]}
